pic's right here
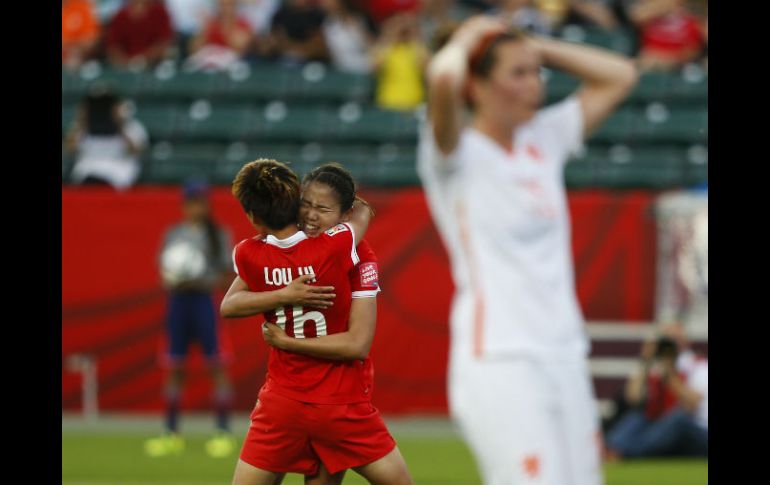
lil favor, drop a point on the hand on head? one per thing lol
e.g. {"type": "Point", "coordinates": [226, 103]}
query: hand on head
{"type": "Point", "coordinates": [476, 28]}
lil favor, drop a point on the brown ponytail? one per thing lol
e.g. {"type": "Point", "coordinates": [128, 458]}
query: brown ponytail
{"type": "Point", "coordinates": [269, 191]}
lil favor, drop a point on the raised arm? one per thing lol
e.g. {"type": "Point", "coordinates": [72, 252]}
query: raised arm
{"type": "Point", "coordinates": [635, 389]}
{"type": "Point", "coordinates": [361, 214]}
{"type": "Point", "coordinates": [240, 302]}
{"type": "Point", "coordinates": [447, 73]}
{"type": "Point", "coordinates": [607, 77]}
{"type": "Point", "coordinates": [349, 345]}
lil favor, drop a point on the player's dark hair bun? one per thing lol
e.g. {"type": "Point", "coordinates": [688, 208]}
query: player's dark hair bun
{"type": "Point", "coordinates": [338, 178]}
{"type": "Point", "coordinates": [269, 190]}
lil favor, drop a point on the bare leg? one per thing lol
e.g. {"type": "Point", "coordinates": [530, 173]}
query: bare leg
{"type": "Point", "coordinates": [391, 469]}
{"type": "Point", "coordinates": [246, 474]}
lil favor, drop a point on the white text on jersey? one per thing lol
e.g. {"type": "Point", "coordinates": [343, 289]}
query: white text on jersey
{"type": "Point", "coordinates": [283, 276]}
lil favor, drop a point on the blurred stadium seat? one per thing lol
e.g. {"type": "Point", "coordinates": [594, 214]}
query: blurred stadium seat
{"type": "Point", "coordinates": [314, 114]}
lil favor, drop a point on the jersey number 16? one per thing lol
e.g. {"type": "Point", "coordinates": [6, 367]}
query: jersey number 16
{"type": "Point", "coordinates": [299, 319]}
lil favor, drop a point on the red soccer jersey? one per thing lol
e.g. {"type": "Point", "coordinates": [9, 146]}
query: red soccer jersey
{"type": "Point", "coordinates": [270, 264]}
{"type": "Point", "coordinates": [364, 278]}
{"type": "Point", "coordinates": [364, 283]}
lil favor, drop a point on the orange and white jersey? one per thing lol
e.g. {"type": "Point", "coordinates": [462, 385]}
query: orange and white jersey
{"type": "Point", "coordinates": [505, 222]}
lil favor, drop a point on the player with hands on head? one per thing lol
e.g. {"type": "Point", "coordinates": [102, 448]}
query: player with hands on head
{"type": "Point", "coordinates": [491, 160]}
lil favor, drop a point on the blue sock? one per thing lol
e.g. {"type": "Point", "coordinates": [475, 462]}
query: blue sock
{"type": "Point", "coordinates": [223, 397]}
{"type": "Point", "coordinates": [172, 410]}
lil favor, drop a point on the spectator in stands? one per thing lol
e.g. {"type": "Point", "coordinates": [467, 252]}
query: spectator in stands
{"type": "Point", "coordinates": [107, 140]}
{"type": "Point", "coordinates": [706, 43]}
{"type": "Point", "coordinates": [140, 34]}
{"type": "Point", "coordinates": [259, 14]}
{"type": "Point", "coordinates": [701, 9]}
{"type": "Point", "coordinates": [558, 13]}
{"type": "Point", "coordinates": [670, 33]}
{"type": "Point", "coordinates": [348, 36]}
{"type": "Point", "coordinates": [438, 16]}
{"type": "Point", "coordinates": [554, 12]}
{"type": "Point", "coordinates": [399, 60]}
{"type": "Point", "coordinates": [592, 13]}
{"type": "Point", "coordinates": [382, 10]}
{"type": "Point", "coordinates": [188, 17]}
{"type": "Point", "coordinates": [296, 34]}
{"type": "Point", "coordinates": [523, 15]}
{"type": "Point", "coordinates": [106, 9]}
{"type": "Point", "coordinates": [224, 40]}
{"type": "Point", "coordinates": [79, 32]}
{"type": "Point", "coordinates": [669, 395]}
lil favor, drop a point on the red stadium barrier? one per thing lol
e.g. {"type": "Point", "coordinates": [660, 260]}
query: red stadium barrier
{"type": "Point", "coordinates": [113, 306]}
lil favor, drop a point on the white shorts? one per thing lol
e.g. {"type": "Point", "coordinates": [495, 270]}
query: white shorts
{"type": "Point", "coordinates": [528, 421]}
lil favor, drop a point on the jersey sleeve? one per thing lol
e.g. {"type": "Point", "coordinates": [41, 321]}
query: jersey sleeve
{"type": "Point", "coordinates": [562, 122]}
{"type": "Point", "coordinates": [342, 239]}
{"type": "Point", "coordinates": [364, 277]}
{"type": "Point", "coordinates": [238, 254]}
{"type": "Point", "coordinates": [431, 162]}
{"type": "Point", "coordinates": [137, 133]}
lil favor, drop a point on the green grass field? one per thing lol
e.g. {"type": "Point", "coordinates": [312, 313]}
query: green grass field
{"type": "Point", "coordinates": [435, 456]}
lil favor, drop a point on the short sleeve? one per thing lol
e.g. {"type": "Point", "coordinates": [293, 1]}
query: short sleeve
{"type": "Point", "coordinates": [364, 277]}
{"type": "Point", "coordinates": [343, 241]}
{"type": "Point", "coordinates": [563, 124]}
{"type": "Point", "coordinates": [432, 164]}
{"type": "Point", "coordinates": [136, 132]}
{"type": "Point", "coordinates": [236, 256]}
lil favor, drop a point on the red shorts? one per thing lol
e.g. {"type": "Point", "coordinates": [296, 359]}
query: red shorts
{"type": "Point", "coordinates": [292, 436]}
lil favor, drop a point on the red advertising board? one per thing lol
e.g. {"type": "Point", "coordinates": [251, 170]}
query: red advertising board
{"type": "Point", "coordinates": [113, 306]}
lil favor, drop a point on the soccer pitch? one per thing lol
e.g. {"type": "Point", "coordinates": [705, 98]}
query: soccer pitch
{"type": "Point", "coordinates": [111, 453]}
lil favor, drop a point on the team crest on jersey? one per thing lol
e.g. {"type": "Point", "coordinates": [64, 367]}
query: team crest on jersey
{"type": "Point", "coordinates": [369, 275]}
{"type": "Point", "coordinates": [337, 229]}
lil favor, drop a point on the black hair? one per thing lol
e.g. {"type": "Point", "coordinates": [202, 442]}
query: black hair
{"type": "Point", "coordinates": [269, 191]}
{"type": "Point", "coordinates": [338, 178]}
{"type": "Point", "coordinates": [666, 347]}
{"type": "Point", "coordinates": [99, 106]}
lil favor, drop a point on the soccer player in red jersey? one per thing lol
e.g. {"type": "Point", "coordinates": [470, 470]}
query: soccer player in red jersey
{"type": "Point", "coordinates": [307, 405]}
{"type": "Point", "coordinates": [328, 195]}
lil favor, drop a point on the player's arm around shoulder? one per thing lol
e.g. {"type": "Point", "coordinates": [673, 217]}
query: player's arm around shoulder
{"type": "Point", "coordinates": [352, 344]}
{"type": "Point", "coordinates": [356, 341]}
{"type": "Point", "coordinates": [342, 239]}
{"type": "Point", "coordinates": [360, 217]}
{"type": "Point", "coordinates": [240, 301]}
